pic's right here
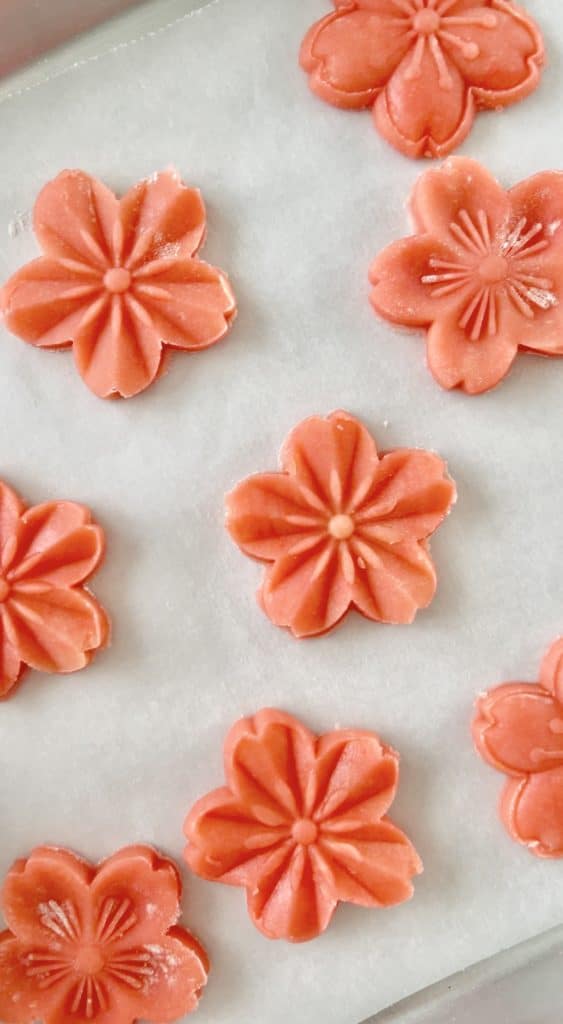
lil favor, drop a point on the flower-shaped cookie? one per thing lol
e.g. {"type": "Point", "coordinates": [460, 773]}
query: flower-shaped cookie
{"type": "Point", "coordinates": [89, 943]}
{"type": "Point", "coordinates": [426, 66]}
{"type": "Point", "coordinates": [301, 824]}
{"type": "Point", "coordinates": [119, 280]}
{"type": "Point", "coordinates": [342, 526]}
{"type": "Point", "coordinates": [518, 729]}
{"type": "Point", "coordinates": [48, 620]}
{"type": "Point", "coordinates": [484, 273]}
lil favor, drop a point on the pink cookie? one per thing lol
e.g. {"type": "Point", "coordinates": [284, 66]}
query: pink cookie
{"type": "Point", "coordinates": [120, 281]}
{"type": "Point", "coordinates": [97, 943]}
{"type": "Point", "coordinates": [483, 275]}
{"type": "Point", "coordinates": [302, 825]}
{"type": "Point", "coordinates": [518, 729]}
{"type": "Point", "coordinates": [342, 527]}
{"type": "Point", "coordinates": [426, 66]}
{"type": "Point", "coordinates": [49, 621]}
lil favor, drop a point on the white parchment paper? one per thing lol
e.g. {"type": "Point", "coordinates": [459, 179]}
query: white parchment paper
{"type": "Point", "coordinates": [300, 197]}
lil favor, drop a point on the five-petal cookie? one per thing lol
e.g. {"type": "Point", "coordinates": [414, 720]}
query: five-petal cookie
{"type": "Point", "coordinates": [120, 280]}
{"type": "Point", "coordinates": [96, 943]}
{"type": "Point", "coordinates": [426, 66]}
{"type": "Point", "coordinates": [302, 825]}
{"type": "Point", "coordinates": [341, 526]}
{"type": "Point", "coordinates": [49, 621]}
{"type": "Point", "coordinates": [518, 729]}
{"type": "Point", "coordinates": [483, 274]}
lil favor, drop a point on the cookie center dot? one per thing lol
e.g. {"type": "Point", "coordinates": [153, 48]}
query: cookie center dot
{"type": "Point", "coordinates": [88, 960]}
{"type": "Point", "coordinates": [305, 831]}
{"type": "Point", "coordinates": [493, 269]}
{"type": "Point", "coordinates": [117, 279]}
{"type": "Point", "coordinates": [4, 589]}
{"type": "Point", "coordinates": [341, 527]}
{"type": "Point", "coordinates": [426, 22]}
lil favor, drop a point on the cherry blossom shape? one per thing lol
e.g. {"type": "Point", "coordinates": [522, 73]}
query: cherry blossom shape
{"type": "Point", "coordinates": [48, 620]}
{"type": "Point", "coordinates": [96, 943]}
{"type": "Point", "coordinates": [483, 275]}
{"type": "Point", "coordinates": [302, 825]}
{"type": "Point", "coordinates": [120, 280]}
{"type": "Point", "coordinates": [518, 729]}
{"type": "Point", "coordinates": [425, 66]}
{"type": "Point", "coordinates": [342, 527]}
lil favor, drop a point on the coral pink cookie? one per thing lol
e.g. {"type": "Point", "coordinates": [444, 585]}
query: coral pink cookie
{"type": "Point", "coordinates": [48, 620]}
{"type": "Point", "coordinates": [425, 66]}
{"type": "Point", "coordinates": [342, 527]}
{"type": "Point", "coordinates": [301, 824]}
{"type": "Point", "coordinates": [483, 274]}
{"type": "Point", "coordinates": [518, 729]}
{"type": "Point", "coordinates": [120, 280]}
{"type": "Point", "coordinates": [101, 943]}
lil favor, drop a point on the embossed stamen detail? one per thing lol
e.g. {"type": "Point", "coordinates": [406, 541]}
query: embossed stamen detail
{"type": "Point", "coordinates": [46, 969]}
{"type": "Point", "coordinates": [445, 80]}
{"type": "Point", "coordinates": [426, 21]}
{"type": "Point", "coordinates": [116, 919]}
{"type": "Point", "coordinates": [492, 270]}
{"type": "Point", "coordinates": [467, 48]}
{"type": "Point", "coordinates": [432, 24]}
{"type": "Point", "coordinates": [89, 960]}
{"type": "Point", "coordinates": [60, 918]}
{"type": "Point", "coordinates": [103, 944]}
{"type": "Point", "coordinates": [132, 968]}
{"type": "Point", "coordinates": [485, 20]}
{"type": "Point", "coordinates": [519, 243]}
{"type": "Point", "coordinates": [89, 997]}
{"type": "Point", "coordinates": [341, 527]}
{"type": "Point", "coordinates": [117, 279]}
{"type": "Point", "coordinates": [304, 831]}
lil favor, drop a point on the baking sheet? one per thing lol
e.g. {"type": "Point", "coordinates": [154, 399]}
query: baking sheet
{"type": "Point", "coordinates": [521, 985]}
{"type": "Point", "coordinates": [300, 197]}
